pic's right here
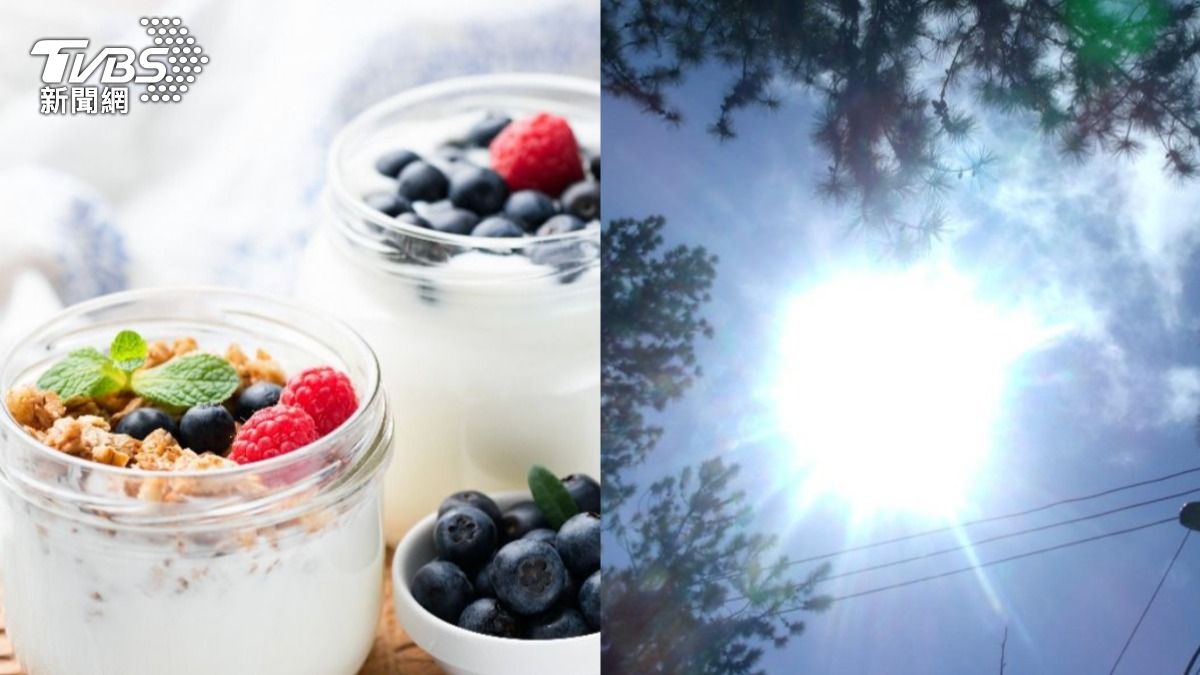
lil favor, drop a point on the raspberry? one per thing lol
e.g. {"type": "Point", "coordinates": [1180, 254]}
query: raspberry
{"type": "Point", "coordinates": [325, 394]}
{"type": "Point", "coordinates": [271, 432]}
{"type": "Point", "coordinates": [537, 153]}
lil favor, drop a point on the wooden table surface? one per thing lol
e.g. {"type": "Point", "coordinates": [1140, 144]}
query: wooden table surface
{"type": "Point", "coordinates": [8, 662]}
{"type": "Point", "coordinates": [393, 653]}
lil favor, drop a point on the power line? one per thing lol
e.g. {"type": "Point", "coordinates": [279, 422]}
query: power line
{"type": "Point", "coordinates": [992, 519]}
{"type": "Point", "coordinates": [1000, 537]}
{"type": "Point", "coordinates": [1019, 556]}
{"type": "Point", "coordinates": [1192, 662]}
{"type": "Point", "coordinates": [1153, 595]}
{"type": "Point", "coordinates": [988, 540]}
{"type": "Point", "coordinates": [990, 563]}
{"type": "Point", "coordinates": [1008, 535]}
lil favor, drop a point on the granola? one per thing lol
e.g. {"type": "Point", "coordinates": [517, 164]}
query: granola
{"type": "Point", "coordinates": [262, 368]}
{"type": "Point", "coordinates": [35, 410]}
{"type": "Point", "coordinates": [161, 452]}
{"type": "Point", "coordinates": [159, 351]}
{"type": "Point", "coordinates": [84, 426]}
{"type": "Point", "coordinates": [168, 408]}
{"type": "Point", "coordinates": [112, 406]}
{"type": "Point", "coordinates": [91, 438]}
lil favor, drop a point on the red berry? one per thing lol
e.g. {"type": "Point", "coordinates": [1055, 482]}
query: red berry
{"type": "Point", "coordinates": [271, 432]}
{"type": "Point", "coordinates": [325, 394]}
{"type": "Point", "coordinates": [537, 153]}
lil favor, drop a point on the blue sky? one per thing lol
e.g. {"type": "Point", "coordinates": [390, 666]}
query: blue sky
{"type": "Point", "coordinates": [1105, 251]}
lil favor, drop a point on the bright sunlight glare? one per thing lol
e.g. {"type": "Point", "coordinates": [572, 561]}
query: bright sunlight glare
{"type": "Point", "coordinates": [890, 385]}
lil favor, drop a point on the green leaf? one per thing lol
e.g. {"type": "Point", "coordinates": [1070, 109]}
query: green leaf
{"type": "Point", "coordinates": [128, 351]}
{"type": "Point", "coordinates": [186, 381]}
{"type": "Point", "coordinates": [84, 372]}
{"type": "Point", "coordinates": [550, 496]}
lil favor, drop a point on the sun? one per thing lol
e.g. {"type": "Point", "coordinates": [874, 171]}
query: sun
{"type": "Point", "coordinates": [889, 386]}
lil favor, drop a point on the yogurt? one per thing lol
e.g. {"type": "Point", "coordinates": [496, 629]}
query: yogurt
{"type": "Point", "coordinates": [267, 567]}
{"type": "Point", "coordinates": [489, 348]}
{"type": "Point", "coordinates": [88, 600]}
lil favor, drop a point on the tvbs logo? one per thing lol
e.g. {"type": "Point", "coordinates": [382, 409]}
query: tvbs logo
{"type": "Point", "coordinates": [72, 67]}
{"type": "Point", "coordinates": [167, 70]}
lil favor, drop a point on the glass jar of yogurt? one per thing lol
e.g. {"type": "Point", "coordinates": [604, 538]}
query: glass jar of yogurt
{"type": "Point", "coordinates": [282, 578]}
{"type": "Point", "coordinates": [489, 348]}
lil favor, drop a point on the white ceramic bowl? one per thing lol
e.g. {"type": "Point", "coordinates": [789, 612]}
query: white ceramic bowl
{"type": "Point", "coordinates": [462, 652]}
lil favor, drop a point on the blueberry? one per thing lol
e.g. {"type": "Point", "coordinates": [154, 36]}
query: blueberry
{"type": "Point", "coordinates": [488, 616]}
{"type": "Point", "coordinates": [497, 226]}
{"type": "Point", "coordinates": [530, 208]}
{"type": "Point", "coordinates": [483, 582]}
{"type": "Point", "coordinates": [475, 499]}
{"type": "Point", "coordinates": [560, 224]}
{"type": "Point", "coordinates": [541, 534]}
{"type": "Point", "coordinates": [422, 182]}
{"type": "Point", "coordinates": [488, 128]}
{"type": "Point", "coordinates": [255, 398]}
{"type": "Point", "coordinates": [595, 167]}
{"type": "Point", "coordinates": [465, 536]}
{"type": "Point", "coordinates": [392, 163]}
{"type": "Point", "coordinates": [521, 519]}
{"type": "Point", "coordinates": [414, 219]}
{"type": "Point", "coordinates": [207, 428]}
{"type": "Point", "coordinates": [582, 200]}
{"type": "Point", "coordinates": [406, 248]}
{"type": "Point", "coordinates": [528, 576]}
{"type": "Point", "coordinates": [569, 597]}
{"type": "Point", "coordinates": [142, 421]}
{"type": "Point", "coordinates": [557, 624]}
{"type": "Point", "coordinates": [442, 589]}
{"type": "Point", "coordinates": [585, 491]}
{"type": "Point", "coordinates": [589, 600]}
{"type": "Point", "coordinates": [389, 204]}
{"type": "Point", "coordinates": [578, 543]}
{"type": "Point", "coordinates": [478, 189]}
{"type": "Point", "coordinates": [454, 221]}
{"type": "Point", "coordinates": [569, 258]}
{"type": "Point", "coordinates": [451, 154]}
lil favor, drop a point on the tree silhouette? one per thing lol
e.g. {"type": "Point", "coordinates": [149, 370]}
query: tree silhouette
{"type": "Point", "coordinates": [694, 589]}
{"type": "Point", "coordinates": [898, 80]}
{"type": "Point", "coordinates": [650, 303]}
{"type": "Point", "coordinates": [699, 595]}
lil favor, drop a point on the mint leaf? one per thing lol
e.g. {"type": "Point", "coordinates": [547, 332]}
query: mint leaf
{"type": "Point", "coordinates": [84, 372]}
{"type": "Point", "coordinates": [550, 496]}
{"type": "Point", "coordinates": [128, 351]}
{"type": "Point", "coordinates": [186, 381]}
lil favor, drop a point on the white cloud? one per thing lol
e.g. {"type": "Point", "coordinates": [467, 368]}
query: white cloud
{"type": "Point", "coordinates": [1100, 247]}
{"type": "Point", "coordinates": [1182, 395]}
{"type": "Point", "coordinates": [1164, 213]}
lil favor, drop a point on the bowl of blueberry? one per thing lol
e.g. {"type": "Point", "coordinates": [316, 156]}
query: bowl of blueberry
{"type": "Point", "coordinates": [506, 583]}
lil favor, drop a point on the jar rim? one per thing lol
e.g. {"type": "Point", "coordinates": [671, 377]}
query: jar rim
{"type": "Point", "coordinates": [374, 385]}
{"type": "Point", "coordinates": [341, 195]}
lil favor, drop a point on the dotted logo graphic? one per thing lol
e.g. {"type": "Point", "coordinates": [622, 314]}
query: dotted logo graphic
{"type": "Point", "coordinates": [185, 59]}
